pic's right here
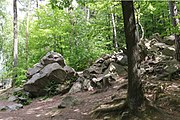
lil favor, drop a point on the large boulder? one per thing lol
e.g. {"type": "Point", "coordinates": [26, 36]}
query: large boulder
{"type": "Point", "coordinates": [38, 81]}
{"type": "Point", "coordinates": [168, 51]}
{"type": "Point", "coordinates": [170, 40]}
{"type": "Point", "coordinates": [31, 71]}
{"type": "Point", "coordinates": [51, 70]}
{"type": "Point", "coordinates": [52, 57]}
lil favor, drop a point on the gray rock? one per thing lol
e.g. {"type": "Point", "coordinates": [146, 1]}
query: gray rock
{"type": "Point", "coordinates": [14, 107]}
{"type": "Point", "coordinates": [40, 80]}
{"type": "Point", "coordinates": [31, 71]}
{"type": "Point", "coordinates": [172, 66]}
{"type": "Point", "coordinates": [80, 73]}
{"type": "Point", "coordinates": [100, 60]}
{"type": "Point", "coordinates": [18, 89]}
{"type": "Point", "coordinates": [6, 83]}
{"type": "Point", "coordinates": [95, 69]}
{"type": "Point", "coordinates": [122, 59]}
{"type": "Point", "coordinates": [115, 68]}
{"type": "Point", "coordinates": [36, 84]}
{"type": "Point", "coordinates": [160, 45]}
{"type": "Point", "coordinates": [107, 56]}
{"type": "Point", "coordinates": [170, 40]}
{"type": "Point", "coordinates": [168, 51]}
{"type": "Point", "coordinates": [22, 99]}
{"type": "Point", "coordinates": [70, 72]}
{"type": "Point", "coordinates": [68, 101]}
{"type": "Point", "coordinates": [77, 87]}
{"type": "Point", "coordinates": [63, 88]}
{"type": "Point", "coordinates": [86, 73]}
{"type": "Point", "coordinates": [12, 98]}
{"type": "Point", "coordinates": [52, 57]}
{"type": "Point", "coordinates": [87, 85]}
{"type": "Point", "coordinates": [1, 85]}
{"type": "Point", "coordinates": [3, 108]}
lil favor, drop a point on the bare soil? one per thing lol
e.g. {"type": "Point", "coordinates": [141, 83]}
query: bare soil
{"type": "Point", "coordinates": [167, 100]}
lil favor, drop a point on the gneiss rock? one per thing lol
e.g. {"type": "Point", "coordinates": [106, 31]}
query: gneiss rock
{"type": "Point", "coordinates": [101, 73]}
{"type": "Point", "coordinates": [1, 85]}
{"type": "Point", "coordinates": [3, 108]}
{"type": "Point", "coordinates": [121, 59]}
{"type": "Point", "coordinates": [6, 83]}
{"type": "Point", "coordinates": [52, 57]}
{"type": "Point", "coordinates": [77, 87]}
{"type": "Point", "coordinates": [31, 71]}
{"type": "Point", "coordinates": [51, 69]}
{"type": "Point", "coordinates": [168, 51]}
{"type": "Point", "coordinates": [170, 40]}
{"type": "Point", "coordinates": [12, 107]}
{"type": "Point", "coordinates": [12, 98]}
{"type": "Point", "coordinates": [68, 101]}
{"type": "Point", "coordinates": [38, 81]}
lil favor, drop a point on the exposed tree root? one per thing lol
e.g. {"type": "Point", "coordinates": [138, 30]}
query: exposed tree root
{"type": "Point", "coordinates": [117, 105]}
{"type": "Point", "coordinates": [123, 86]}
{"type": "Point", "coordinates": [120, 108]}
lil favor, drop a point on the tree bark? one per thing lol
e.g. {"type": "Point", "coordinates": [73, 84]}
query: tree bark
{"type": "Point", "coordinates": [88, 13]}
{"type": "Point", "coordinates": [15, 41]}
{"type": "Point", "coordinates": [175, 22]}
{"type": "Point", "coordinates": [138, 16]}
{"type": "Point", "coordinates": [37, 4]}
{"type": "Point", "coordinates": [135, 96]}
{"type": "Point", "coordinates": [27, 34]}
{"type": "Point", "coordinates": [115, 44]}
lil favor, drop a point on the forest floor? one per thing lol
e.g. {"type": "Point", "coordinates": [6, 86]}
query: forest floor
{"type": "Point", "coordinates": [167, 99]}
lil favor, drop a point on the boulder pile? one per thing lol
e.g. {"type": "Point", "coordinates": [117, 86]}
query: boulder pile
{"type": "Point", "coordinates": [50, 69]}
{"type": "Point", "coordinates": [159, 62]}
{"type": "Point", "coordinates": [101, 73]}
{"type": "Point", "coordinates": [156, 57]}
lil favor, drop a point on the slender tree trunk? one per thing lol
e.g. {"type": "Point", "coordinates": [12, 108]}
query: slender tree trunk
{"type": "Point", "coordinates": [115, 44]}
{"type": "Point", "coordinates": [135, 96]}
{"type": "Point", "coordinates": [27, 34]}
{"type": "Point", "coordinates": [138, 11]}
{"type": "Point", "coordinates": [37, 4]}
{"type": "Point", "coordinates": [88, 14]}
{"type": "Point", "coordinates": [108, 21]}
{"type": "Point", "coordinates": [15, 41]}
{"type": "Point", "coordinates": [175, 22]}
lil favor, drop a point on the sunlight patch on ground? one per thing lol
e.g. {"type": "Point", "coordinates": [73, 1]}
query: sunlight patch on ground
{"type": "Point", "coordinates": [47, 100]}
{"type": "Point", "coordinates": [39, 115]}
{"type": "Point", "coordinates": [52, 113]}
{"type": "Point", "coordinates": [33, 110]}
{"type": "Point", "coordinates": [12, 118]}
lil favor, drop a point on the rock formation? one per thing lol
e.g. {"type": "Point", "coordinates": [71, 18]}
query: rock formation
{"type": "Point", "coordinates": [52, 68]}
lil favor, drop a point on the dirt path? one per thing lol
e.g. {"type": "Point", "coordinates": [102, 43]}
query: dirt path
{"type": "Point", "coordinates": [48, 109]}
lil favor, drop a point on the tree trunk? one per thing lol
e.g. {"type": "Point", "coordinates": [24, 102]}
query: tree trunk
{"type": "Point", "coordinates": [115, 44]}
{"type": "Point", "coordinates": [138, 17]}
{"type": "Point", "coordinates": [135, 96]}
{"type": "Point", "coordinates": [88, 13]}
{"type": "Point", "coordinates": [15, 41]}
{"type": "Point", "coordinates": [27, 34]}
{"type": "Point", "coordinates": [37, 4]}
{"type": "Point", "coordinates": [175, 22]}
